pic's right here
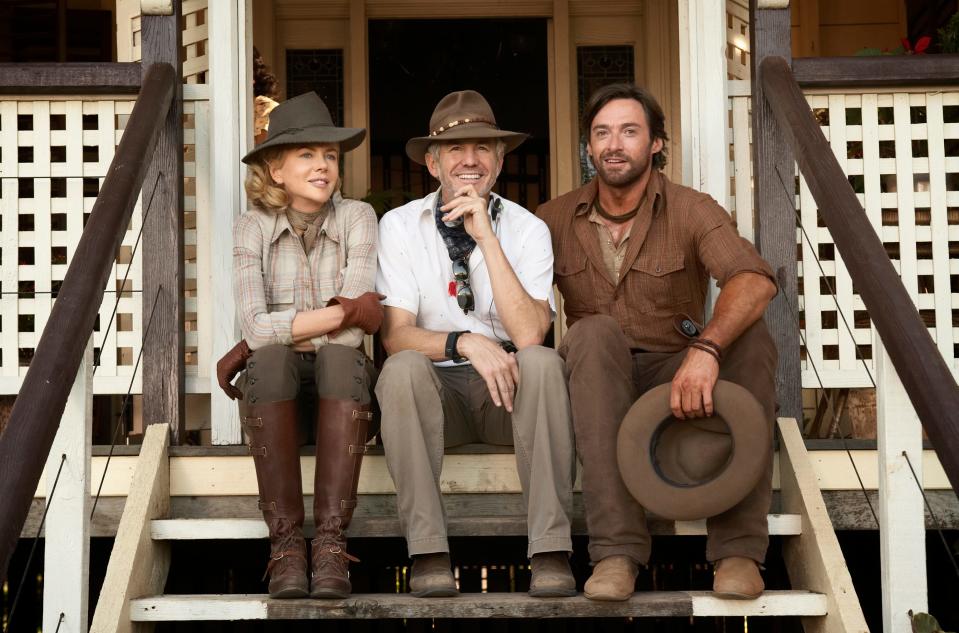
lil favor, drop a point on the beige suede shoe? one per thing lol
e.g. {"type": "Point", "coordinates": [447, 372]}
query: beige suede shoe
{"type": "Point", "coordinates": [738, 578]}
{"type": "Point", "coordinates": [614, 579]}
{"type": "Point", "coordinates": [432, 576]}
{"type": "Point", "coordinates": [552, 577]}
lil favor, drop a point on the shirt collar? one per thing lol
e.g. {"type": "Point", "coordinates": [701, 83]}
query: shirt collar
{"type": "Point", "coordinates": [654, 192]}
{"type": "Point", "coordinates": [328, 227]}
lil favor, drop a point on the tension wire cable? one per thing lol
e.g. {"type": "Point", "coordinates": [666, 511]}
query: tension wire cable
{"type": "Point", "coordinates": [862, 359]}
{"type": "Point", "coordinates": [33, 548]}
{"type": "Point", "coordinates": [812, 363]}
{"type": "Point", "coordinates": [126, 275]}
{"type": "Point", "coordinates": [123, 406]}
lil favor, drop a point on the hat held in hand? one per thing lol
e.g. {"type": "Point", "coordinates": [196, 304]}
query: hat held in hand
{"type": "Point", "coordinates": [697, 468]}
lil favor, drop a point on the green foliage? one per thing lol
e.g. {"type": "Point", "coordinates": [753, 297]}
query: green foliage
{"type": "Point", "coordinates": [949, 35]}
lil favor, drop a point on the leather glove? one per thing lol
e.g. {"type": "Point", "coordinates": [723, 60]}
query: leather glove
{"type": "Point", "coordinates": [232, 363]}
{"type": "Point", "coordinates": [365, 312]}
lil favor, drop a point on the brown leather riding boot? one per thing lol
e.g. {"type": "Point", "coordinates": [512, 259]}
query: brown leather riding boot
{"type": "Point", "coordinates": [341, 427]}
{"type": "Point", "coordinates": [272, 430]}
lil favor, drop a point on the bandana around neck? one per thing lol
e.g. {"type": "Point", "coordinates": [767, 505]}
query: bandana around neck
{"type": "Point", "coordinates": [307, 225]}
{"type": "Point", "coordinates": [458, 242]}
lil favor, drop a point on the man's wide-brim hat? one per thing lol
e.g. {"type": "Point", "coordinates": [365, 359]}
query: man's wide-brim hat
{"type": "Point", "coordinates": [305, 120]}
{"type": "Point", "coordinates": [461, 116]}
{"type": "Point", "coordinates": [697, 468]}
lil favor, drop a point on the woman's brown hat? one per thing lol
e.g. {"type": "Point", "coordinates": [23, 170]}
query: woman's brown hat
{"type": "Point", "coordinates": [694, 469]}
{"type": "Point", "coordinates": [305, 120]}
{"type": "Point", "coordinates": [462, 115]}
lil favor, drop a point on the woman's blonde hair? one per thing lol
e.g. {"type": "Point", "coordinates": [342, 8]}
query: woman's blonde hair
{"type": "Point", "coordinates": [261, 190]}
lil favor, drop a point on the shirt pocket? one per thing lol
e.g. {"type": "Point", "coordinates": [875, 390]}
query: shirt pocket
{"type": "Point", "coordinates": [574, 280]}
{"type": "Point", "coordinates": [659, 284]}
{"type": "Point", "coordinates": [279, 297]}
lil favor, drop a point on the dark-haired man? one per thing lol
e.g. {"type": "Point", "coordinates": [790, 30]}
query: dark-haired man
{"type": "Point", "coordinates": [632, 252]}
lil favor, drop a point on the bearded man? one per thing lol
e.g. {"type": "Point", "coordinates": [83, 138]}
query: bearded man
{"type": "Point", "coordinates": [634, 254]}
{"type": "Point", "coordinates": [468, 279]}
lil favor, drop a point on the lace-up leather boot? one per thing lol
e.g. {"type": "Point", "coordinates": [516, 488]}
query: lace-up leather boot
{"type": "Point", "coordinates": [272, 430]}
{"type": "Point", "coordinates": [341, 427]}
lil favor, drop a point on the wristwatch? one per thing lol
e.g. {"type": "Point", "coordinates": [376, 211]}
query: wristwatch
{"type": "Point", "coordinates": [451, 352]}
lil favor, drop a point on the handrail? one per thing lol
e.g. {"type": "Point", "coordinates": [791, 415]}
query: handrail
{"type": "Point", "coordinates": [882, 70]}
{"type": "Point", "coordinates": [70, 78]}
{"type": "Point", "coordinates": [26, 440]}
{"type": "Point", "coordinates": [928, 381]}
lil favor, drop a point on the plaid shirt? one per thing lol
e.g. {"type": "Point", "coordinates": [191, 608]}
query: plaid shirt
{"type": "Point", "coordinates": [679, 240]}
{"type": "Point", "coordinates": [274, 279]}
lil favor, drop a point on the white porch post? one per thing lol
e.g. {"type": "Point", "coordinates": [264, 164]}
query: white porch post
{"type": "Point", "coordinates": [66, 566]}
{"type": "Point", "coordinates": [704, 102]}
{"type": "Point", "coordinates": [703, 99]}
{"type": "Point", "coordinates": [902, 529]}
{"type": "Point", "coordinates": [231, 100]}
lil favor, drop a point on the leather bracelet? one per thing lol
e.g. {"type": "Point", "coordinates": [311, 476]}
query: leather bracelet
{"type": "Point", "coordinates": [705, 348]}
{"type": "Point", "coordinates": [451, 340]}
{"type": "Point", "coordinates": [712, 344]}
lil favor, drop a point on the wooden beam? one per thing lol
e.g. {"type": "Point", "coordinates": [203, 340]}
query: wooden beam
{"type": "Point", "coordinates": [902, 535]}
{"type": "Point", "coordinates": [924, 373]}
{"type": "Point", "coordinates": [29, 433]}
{"type": "Point", "coordinates": [468, 474]}
{"type": "Point", "coordinates": [162, 367]}
{"type": "Point", "coordinates": [357, 114]}
{"type": "Point", "coordinates": [70, 78]}
{"type": "Point", "coordinates": [774, 207]}
{"type": "Point", "coordinates": [66, 543]}
{"type": "Point", "coordinates": [564, 147]}
{"type": "Point", "coordinates": [813, 559]}
{"type": "Point", "coordinates": [138, 565]}
{"type": "Point", "coordinates": [645, 604]}
{"type": "Point", "coordinates": [892, 70]}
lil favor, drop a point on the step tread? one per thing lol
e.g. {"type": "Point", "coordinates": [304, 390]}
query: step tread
{"type": "Point", "coordinates": [216, 529]}
{"type": "Point", "coordinates": [168, 608]}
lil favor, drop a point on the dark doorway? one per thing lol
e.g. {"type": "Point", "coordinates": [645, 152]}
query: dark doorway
{"type": "Point", "coordinates": [414, 63]}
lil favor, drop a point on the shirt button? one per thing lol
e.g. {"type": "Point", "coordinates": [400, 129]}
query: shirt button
{"type": "Point", "coordinates": [658, 269]}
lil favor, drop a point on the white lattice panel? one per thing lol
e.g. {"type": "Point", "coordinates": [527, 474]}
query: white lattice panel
{"type": "Point", "coordinates": [901, 153]}
{"type": "Point", "coordinates": [53, 157]}
{"type": "Point", "coordinates": [195, 62]}
{"type": "Point", "coordinates": [737, 39]}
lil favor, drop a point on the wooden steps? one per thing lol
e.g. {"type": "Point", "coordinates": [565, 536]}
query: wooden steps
{"type": "Point", "coordinates": [179, 608]}
{"type": "Point", "coordinates": [368, 526]}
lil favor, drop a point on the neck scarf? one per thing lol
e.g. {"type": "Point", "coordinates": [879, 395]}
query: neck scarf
{"type": "Point", "coordinates": [307, 225]}
{"type": "Point", "coordinates": [458, 242]}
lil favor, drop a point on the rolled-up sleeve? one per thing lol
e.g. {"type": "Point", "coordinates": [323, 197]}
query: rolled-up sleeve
{"type": "Point", "coordinates": [722, 250]}
{"type": "Point", "coordinates": [259, 327]}
{"type": "Point", "coordinates": [535, 267]}
{"type": "Point", "coordinates": [394, 274]}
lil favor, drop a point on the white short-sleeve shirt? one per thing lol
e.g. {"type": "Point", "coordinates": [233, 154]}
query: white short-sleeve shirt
{"type": "Point", "coordinates": [415, 272]}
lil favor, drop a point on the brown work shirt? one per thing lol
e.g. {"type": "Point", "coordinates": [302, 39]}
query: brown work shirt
{"type": "Point", "coordinates": [679, 239]}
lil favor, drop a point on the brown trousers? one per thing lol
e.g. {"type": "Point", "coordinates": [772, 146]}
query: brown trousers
{"type": "Point", "coordinates": [605, 379]}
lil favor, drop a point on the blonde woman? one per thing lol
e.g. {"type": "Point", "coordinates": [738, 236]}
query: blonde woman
{"type": "Point", "coordinates": [304, 265]}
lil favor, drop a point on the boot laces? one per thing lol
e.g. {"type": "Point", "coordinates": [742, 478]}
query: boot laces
{"type": "Point", "coordinates": [285, 540]}
{"type": "Point", "coordinates": [328, 547]}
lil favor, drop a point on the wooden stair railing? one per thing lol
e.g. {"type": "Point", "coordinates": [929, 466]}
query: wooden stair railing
{"type": "Point", "coordinates": [924, 374]}
{"type": "Point", "coordinates": [36, 414]}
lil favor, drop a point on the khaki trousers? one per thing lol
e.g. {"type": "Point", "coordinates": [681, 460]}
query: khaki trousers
{"type": "Point", "coordinates": [605, 379]}
{"type": "Point", "coordinates": [428, 408]}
